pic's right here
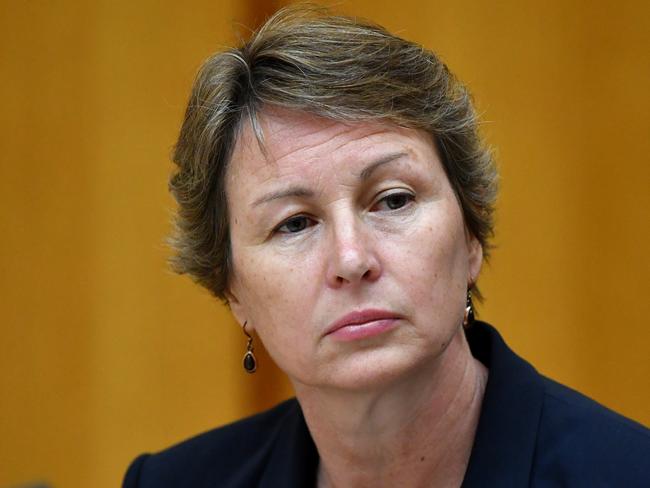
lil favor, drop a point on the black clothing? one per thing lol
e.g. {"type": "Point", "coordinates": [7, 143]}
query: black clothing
{"type": "Point", "coordinates": [532, 432]}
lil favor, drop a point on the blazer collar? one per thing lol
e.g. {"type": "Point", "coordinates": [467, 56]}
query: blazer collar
{"type": "Point", "coordinates": [293, 461]}
{"type": "Point", "coordinates": [504, 446]}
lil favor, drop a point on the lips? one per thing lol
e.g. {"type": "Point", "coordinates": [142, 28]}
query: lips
{"type": "Point", "coordinates": [361, 317]}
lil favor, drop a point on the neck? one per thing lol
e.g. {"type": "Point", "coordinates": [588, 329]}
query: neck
{"type": "Point", "coordinates": [418, 431]}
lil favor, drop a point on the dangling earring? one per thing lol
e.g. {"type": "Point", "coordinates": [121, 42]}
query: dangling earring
{"type": "Point", "coordinates": [249, 362]}
{"type": "Point", "coordinates": [468, 318]}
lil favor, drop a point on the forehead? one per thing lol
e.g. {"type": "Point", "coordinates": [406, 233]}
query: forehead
{"type": "Point", "coordinates": [293, 141]}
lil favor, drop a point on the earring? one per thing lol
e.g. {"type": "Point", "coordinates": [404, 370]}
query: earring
{"type": "Point", "coordinates": [468, 318]}
{"type": "Point", "coordinates": [249, 362]}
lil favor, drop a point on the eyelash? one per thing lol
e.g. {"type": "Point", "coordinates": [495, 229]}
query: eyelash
{"type": "Point", "coordinates": [294, 218]}
{"type": "Point", "coordinates": [401, 194]}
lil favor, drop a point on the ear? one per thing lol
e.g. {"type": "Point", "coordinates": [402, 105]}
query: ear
{"type": "Point", "coordinates": [236, 307]}
{"type": "Point", "coordinates": [475, 258]}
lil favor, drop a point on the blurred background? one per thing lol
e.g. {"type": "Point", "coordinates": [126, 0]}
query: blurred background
{"type": "Point", "coordinates": [104, 353]}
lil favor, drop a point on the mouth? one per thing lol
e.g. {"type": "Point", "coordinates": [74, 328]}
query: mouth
{"type": "Point", "coordinates": [362, 324]}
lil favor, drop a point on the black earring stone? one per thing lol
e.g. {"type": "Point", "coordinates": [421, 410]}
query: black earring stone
{"type": "Point", "coordinates": [250, 364]}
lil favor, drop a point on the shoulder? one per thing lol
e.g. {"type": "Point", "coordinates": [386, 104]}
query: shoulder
{"type": "Point", "coordinates": [573, 410]}
{"type": "Point", "coordinates": [583, 443]}
{"type": "Point", "coordinates": [536, 432]}
{"type": "Point", "coordinates": [232, 455]}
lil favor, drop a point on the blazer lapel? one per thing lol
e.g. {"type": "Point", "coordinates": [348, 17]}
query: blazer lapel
{"type": "Point", "coordinates": [506, 436]}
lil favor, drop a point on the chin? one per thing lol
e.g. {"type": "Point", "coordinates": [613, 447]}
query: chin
{"type": "Point", "coordinates": [371, 370]}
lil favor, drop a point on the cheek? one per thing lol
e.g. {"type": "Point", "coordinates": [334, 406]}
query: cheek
{"type": "Point", "coordinates": [277, 303]}
{"type": "Point", "coordinates": [273, 278]}
{"type": "Point", "coordinates": [275, 293]}
{"type": "Point", "coordinates": [432, 263]}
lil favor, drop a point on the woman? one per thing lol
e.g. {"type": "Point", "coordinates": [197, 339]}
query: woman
{"type": "Point", "coordinates": [333, 189]}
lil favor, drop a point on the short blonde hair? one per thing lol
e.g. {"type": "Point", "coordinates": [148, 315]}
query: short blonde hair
{"type": "Point", "coordinates": [305, 59]}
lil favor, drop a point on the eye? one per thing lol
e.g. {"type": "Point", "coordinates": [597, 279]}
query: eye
{"type": "Point", "coordinates": [393, 201]}
{"type": "Point", "coordinates": [294, 224]}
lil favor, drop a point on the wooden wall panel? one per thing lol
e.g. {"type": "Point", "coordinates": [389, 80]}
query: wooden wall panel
{"type": "Point", "coordinates": [105, 354]}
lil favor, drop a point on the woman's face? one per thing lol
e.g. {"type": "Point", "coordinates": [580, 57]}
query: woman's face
{"type": "Point", "coordinates": [350, 256]}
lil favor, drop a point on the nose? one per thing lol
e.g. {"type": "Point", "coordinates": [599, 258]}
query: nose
{"type": "Point", "coordinates": [353, 256]}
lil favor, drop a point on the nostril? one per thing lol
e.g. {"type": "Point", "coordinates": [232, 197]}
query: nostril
{"type": "Point", "coordinates": [352, 261]}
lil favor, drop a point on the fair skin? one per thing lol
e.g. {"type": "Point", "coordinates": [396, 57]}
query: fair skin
{"type": "Point", "coordinates": [339, 218]}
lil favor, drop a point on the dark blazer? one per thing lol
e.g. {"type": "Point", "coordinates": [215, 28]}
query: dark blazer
{"type": "Point", "coordinates": [532, 432]}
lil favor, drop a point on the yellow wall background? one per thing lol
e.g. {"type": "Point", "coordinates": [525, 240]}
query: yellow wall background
{"type": "Point", "coordinates": [105, 354]}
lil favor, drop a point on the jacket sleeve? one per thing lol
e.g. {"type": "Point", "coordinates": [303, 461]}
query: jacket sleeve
{"type": "Point", "coordinates": [132, 476]}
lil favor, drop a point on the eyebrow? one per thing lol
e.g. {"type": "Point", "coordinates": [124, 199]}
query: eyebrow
{"type": "Point", "coordinates": [294, 191]}
{"type": "Point", "coordinates": [389, 158]}
{"type": "Point", "coordinates": [299, 191]}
